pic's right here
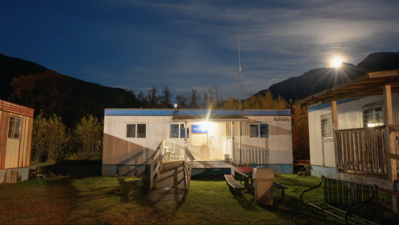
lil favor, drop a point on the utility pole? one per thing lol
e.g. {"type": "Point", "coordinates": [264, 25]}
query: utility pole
{"type": "Point", "coordinates": [239, 100]}
{"type": "Point", "coordinates": [239, 74]}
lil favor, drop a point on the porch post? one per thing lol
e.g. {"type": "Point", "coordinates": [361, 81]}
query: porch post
{"type": "Point", "coordinates": [390, 142]}
{"type": "Point", "coordinates": [334, 115]}
{"type": "Point", "coordinates": [233, 152]}
{"type": "Point", "coordinates": [240, 144]}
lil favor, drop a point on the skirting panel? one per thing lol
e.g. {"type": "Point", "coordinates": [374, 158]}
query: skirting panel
{"type": "Point", "coordinates": [142, 170]}
{"type": "Point", "coordinates": [124, 170]}
{"type": "Point", "coordinates": [210, 171]}
{"type": "Point", "coordinates": [14, 175]}
{"type": "Point", "coordinates": [318, 171]}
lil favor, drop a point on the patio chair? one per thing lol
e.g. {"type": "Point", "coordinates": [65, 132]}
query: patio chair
{"type": "Point", "coordinates": [304, 171]}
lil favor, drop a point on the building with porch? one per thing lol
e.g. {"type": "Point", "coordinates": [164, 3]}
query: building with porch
{"type": "Point", "coordinates": [354, 131]}
{"type": "Point", "coordinates": [218, 139]}
{"type": "Point", "coordinates": [16, 124]}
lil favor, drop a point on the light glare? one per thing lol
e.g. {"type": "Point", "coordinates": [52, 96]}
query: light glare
{"type": "Point", "coordinates": [336, 62]}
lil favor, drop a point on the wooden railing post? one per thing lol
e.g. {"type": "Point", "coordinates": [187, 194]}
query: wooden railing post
{"type": "Point", "coordinates": [152, 174]}
{"type": "Point", "coordinates": [390, 142]}
{"type": "Point", "coordinates": [334, 115]}
{"type": "Point", "coordinates": [191, 171]}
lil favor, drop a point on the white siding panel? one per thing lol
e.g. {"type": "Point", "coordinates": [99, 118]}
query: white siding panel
{"type": "Point", "coordinates": [350, 115]}
{"type": "Point", "coordinates": [277, 149]}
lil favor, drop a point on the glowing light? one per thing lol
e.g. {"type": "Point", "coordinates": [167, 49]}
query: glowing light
{"type": "Point", "coordinates": [336, 62]}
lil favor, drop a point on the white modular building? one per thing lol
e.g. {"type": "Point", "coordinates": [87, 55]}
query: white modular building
{"type": "Point", "coordinates": [354, 113]}
{"type": "Point", "coordinates": [218, 139]}
{"type": "Point", "coordinates": [354, 131]}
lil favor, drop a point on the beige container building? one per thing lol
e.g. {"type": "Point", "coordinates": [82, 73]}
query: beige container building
{"type": "Point", "coordinates": [16, 124]}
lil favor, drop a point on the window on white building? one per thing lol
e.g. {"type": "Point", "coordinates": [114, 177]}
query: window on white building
{"type": "Point", "coordinates": [178, 131]}
{"type": "Point", "coordinates": [259, 130]}
{"type": "Point", "coordinates": [326, 126]}
{"type": "Point", "coordinates": [133, 129]}
{"type": "Point", "coordinates": [373, 116]}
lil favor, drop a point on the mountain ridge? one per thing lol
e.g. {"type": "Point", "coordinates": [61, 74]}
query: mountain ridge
{"type": "Point", "coordinates": [316, 80]}
{"type": "Point", "coordinates": [85, 97]}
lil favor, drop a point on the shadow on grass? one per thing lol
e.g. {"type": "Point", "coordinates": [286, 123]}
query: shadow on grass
{"type": "Point", "coordinates": [77, 169]}
{"type": "Point", "coordinates": [62, 200]}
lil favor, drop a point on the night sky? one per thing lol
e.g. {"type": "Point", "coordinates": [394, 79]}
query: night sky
{"type": "Point", "coordinates": [193, 44]}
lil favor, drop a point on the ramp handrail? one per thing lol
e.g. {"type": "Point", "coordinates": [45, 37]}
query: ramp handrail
{"type": "Point", "coordinates": [159, 157]}
{"type": "Point", "coordinates": [351, 198]}
{"type": "Point", "coordinates": [188, 171]}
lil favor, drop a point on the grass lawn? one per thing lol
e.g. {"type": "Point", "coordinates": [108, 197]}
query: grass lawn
{"type": "Point", "coordinates": [112, 200]}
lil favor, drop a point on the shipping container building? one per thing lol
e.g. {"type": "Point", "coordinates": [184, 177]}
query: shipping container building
{"type": "Point", "coordinates": [16, 124]}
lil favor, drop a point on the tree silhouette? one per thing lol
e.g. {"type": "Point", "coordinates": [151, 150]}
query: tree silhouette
{"type": "Point", "coordinates": [195, 99]}
{"type": "Point", "coordinates": [142, 100]}
{"type": "Point", "coordinates": [45, 91]}
{"type": "Point", "coordinates": [183, 100]}
{"type": "Point", "coordinates": [166, 98]}
{"type": "Point", "coordinates": [213, 98]}
{"type": "Point", "coordinates": [153, 98]}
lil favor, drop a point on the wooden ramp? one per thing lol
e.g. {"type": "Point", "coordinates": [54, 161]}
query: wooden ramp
{"type": "Point", "coordinates": [170, 186]}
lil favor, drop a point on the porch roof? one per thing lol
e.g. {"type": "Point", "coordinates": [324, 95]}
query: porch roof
{"type": "Point", "coordinates": [212, 118]}
{"type": "Point", "coordinates": [361, 86]}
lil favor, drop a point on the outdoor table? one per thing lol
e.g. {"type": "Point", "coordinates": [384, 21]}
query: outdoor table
{"type": "Point", "coordinates": [245, 172]}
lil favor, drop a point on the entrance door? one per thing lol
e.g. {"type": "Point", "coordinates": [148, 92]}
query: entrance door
{"type": "Point", "coordinates": [328, 152]}
{"type": "Point", "coordinates": [207, 140]}
{"type": "Point", "coordinates": [217, 141]}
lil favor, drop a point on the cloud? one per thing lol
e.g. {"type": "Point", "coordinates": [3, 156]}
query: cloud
{"type": "Point", "coordinates": [193, 44]}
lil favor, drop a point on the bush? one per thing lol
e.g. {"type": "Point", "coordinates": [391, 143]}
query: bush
{"type": "Point", "coordinates": [88, 136]}
{"type": "Point", "coordinates": [48, 138]}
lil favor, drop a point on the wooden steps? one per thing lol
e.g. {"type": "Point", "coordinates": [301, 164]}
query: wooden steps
{"type": "Point", "coordinates": [170, 185]}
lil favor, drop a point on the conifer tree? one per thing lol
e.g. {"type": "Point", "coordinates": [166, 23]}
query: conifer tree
{"type": "Point", "coordinates": [166, 98]}
{"type": "Point", "coordinates": [195, 99]}
{"type": "Point", "coordinates": [153, 98]}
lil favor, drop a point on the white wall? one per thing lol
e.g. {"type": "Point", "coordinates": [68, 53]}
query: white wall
{"type": "Point", "coordinates": [277, 149]}
{"type": "Point", "coordinates": [350, 115]}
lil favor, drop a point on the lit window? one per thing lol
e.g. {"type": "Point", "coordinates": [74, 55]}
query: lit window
{"type": "Point", "coordinates": [131, 130]}
{"type": "Point", "coordinates": [14, 127]}
{"type": "Point", "coordinates": [373, 116]}
{"type": "Point", "coordinates": [256, 129]}
{"type": "Point", "coordinates": [326, 126]}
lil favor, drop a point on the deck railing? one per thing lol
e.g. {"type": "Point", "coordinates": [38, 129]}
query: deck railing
{"type": "Point", "coordinates": [362, 150]}
{"type": "Point", "coordinates": [188, 169]}
{"type": "Point", "coordinates": [157, 157]}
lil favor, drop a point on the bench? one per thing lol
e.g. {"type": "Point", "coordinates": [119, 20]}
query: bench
{"type": "Point", "coordinates": [280, 186]}
{"type": "Point", "coordinates": [233, 184]}
{"type": "Point", "coordinates": [351, 198]}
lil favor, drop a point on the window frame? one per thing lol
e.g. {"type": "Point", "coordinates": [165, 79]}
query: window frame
{"type": "Point", "coordinates": [259, 130]}
{"type": "Point", "coordinates": [136, 130]}
{"type": "Point", "coordinates": [375, 119]}
{"type": "Point", "coordinates": [179, 128]}
{"type": "Point", "coordinates": [328, 118]}
{"type": "Point", "coordinates": [14, 127]}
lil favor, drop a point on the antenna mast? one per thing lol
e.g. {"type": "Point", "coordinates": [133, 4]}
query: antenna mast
{"type": "Point", "coordinates": [239, 73]}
